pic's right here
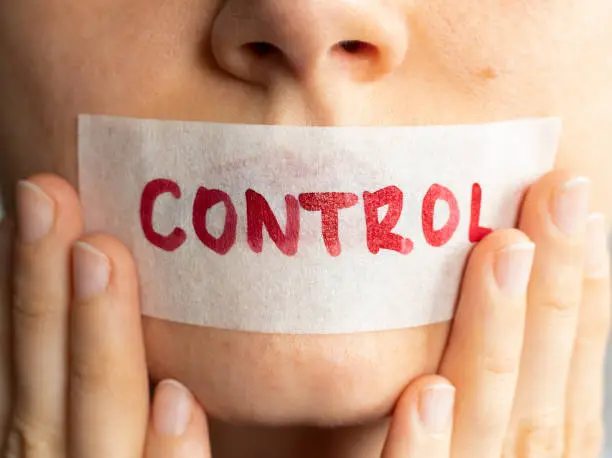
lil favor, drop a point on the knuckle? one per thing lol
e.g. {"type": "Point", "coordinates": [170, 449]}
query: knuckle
{"type": "Point", "coordinates": [32, 302]}
{"type": "Point", "coordinates": [89, 376]}
{"type": "Point", "coordinates": [592, 335]}
{"type": "Point", "coordinates": [500, 364]}
{"type": "Point", "coordinates": [565, 303]}
{"type": "Point", "coordinates": [584, 440]}
{"type": "Point", "coordinates": [540, 439]}
{"type": "Point", "coordinates": [32, 309]}
{"type": "Point", "coordinates": [13, 448]}
{"type": "Point", "coordinates": [561, 289]}
{"type": "Point", "coordinates": [25, 440]}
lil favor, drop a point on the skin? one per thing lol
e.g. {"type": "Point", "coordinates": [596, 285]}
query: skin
{"type": "Point", "coordinates": [182, 60]}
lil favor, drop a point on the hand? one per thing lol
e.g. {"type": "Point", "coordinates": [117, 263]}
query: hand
{"type": "Point", "coordinates": [527, 365]}
{"type": "Point", "coordinates": [80, 379]}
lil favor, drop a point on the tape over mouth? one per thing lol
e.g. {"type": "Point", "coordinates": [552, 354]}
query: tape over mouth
{"type": "Point", "coordinates": [316, 230]}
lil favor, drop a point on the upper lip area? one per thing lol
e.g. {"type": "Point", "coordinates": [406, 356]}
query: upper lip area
{"type": "Point", "coordinates": [287, 163]}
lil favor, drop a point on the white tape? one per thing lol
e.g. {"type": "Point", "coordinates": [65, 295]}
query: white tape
{"type": "Point", "coordinates": [275, 254]}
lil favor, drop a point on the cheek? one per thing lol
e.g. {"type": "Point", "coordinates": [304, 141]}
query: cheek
{"type": "Point", "coordinates": [520, 59]}
{"type": "Point", "coordinates": [291, 379]}
{"type": "Point", "coordinates": [524, 50]}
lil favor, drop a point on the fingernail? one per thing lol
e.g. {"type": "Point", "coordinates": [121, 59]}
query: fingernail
{"type": "Point", "coordinates": [571, 205]}
{"type": "Point", "coordinates": [513, 268]}
{"type": "Point", "coordinates": [436, 408]}
{"type": "Point", "coordinates": [35, 212]}
{"type": "Point", "coordinates": [597, 261]}
{"type": "Point", "coordinates": [171, 408]}
{"type": "Point", "coordinates": [91, 270]}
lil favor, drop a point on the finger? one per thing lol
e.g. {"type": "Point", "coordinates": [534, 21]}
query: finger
{"type": "Point", "coordinates": [585, 390]}
{"type": "Point", "coordinates": [422, 421]}
{"type": "Point", "coordinates": [108, 377]}
{"type": "Point", "coordinates": [554, 216]}
{"type": "Point", "coordinates": [483, 355]}
{"type": "Point", "coordinates": [177, 427]}
{"type": "Point", "coordinates": [5, 329]}
{"type": "Point", "coordinates": [49, 220]}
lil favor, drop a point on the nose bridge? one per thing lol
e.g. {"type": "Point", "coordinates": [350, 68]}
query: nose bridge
{"type": "Point", "coordinates": [301, 32]}
{"type": "Point", "coordinates": [304, 33]}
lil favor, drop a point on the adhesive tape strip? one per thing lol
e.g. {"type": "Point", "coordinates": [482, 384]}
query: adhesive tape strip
{"type": "Point", "coordinates": [315, 230]}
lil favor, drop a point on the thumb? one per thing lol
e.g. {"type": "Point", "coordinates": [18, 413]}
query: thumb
{"type": "Point", "coordinates": [422, 421]}
{"type": "Point", "coordinates": [177, 426]}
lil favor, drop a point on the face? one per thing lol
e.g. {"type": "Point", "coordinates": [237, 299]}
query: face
{"type": "Point", "coordinates": [338, 62]}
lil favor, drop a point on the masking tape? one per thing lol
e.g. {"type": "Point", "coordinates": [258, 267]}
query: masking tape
{"type": "Point", "coordinates": [318, 230]}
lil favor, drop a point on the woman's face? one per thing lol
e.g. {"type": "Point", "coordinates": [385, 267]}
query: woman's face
{"type": "Point", "coordinates": [419, 62]}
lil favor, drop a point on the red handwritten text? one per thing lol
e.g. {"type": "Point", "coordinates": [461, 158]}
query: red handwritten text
{"type": "Point", "coordinates": [259, 215]}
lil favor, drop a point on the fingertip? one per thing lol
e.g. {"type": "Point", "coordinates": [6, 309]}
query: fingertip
{"type": "Point", "coordinates": [122, 270]}
{"type": "Point", "coordinates": [112, 247]}
{"type": "Point", "coordinates": [412, 391]}
{"type": "Point", "coordinates": [178, 424]}
{"type": "Point", "coordinates": [502, 239]}
{"type": "Point", "coordinates": [173, 407]}
{"type": "Point", "coordinates": [422, 421]}
{"type": "Point", "coordinates": [551, 181]}
{"type": "Point", "coordinates": [410, 400]}
{"type": "Point", "coordinates": [416, 395]}
{"type": "Point", "coordinates": [58, 189]}
{"type": "Point", "coordinates": [540, 210]}
{"type": "Point", "coordinates": [63, 194]}
{"type": "Point", "coordinates": [495, 242]}
{"type": "Point", "coordinates": [198, 432]}
{"type": "Point", "coordinates": [496, 283]}
{"type": "Point", "coordinates": [52, 184]}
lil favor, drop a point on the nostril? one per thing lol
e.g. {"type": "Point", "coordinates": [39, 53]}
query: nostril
{"type": "Point", "coordinates": [364, 60]}
{"type": "Point", "coordinates": [261, 48]}
{"type": "Point", "coordinates": [356, 47]}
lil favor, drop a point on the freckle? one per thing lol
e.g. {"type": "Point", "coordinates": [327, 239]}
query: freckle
{"type": "Point", "coordinates": [488, 73]}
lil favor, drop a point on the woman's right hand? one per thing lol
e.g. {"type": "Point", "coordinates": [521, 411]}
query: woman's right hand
{"type": "Point", "coordinates": [73, 378]}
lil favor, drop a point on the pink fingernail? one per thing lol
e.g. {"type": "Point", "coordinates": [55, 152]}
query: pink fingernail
{"type": "Point", "coordinates": [91, 270]}
{"type": "Point", "coordinates": [571, 205]}
{"type": "Point", "coordinates": [597, 261]}
{"type": "Point", "coordinates": [171, 409]}
{"type": "Point", "coordinates": [35, 212]}
{"type": "Point", "coordinates": [436, 408]}
{"type": "Point", "coordinates": [512, 268]}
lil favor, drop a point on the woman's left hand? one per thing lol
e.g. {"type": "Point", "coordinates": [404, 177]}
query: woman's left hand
{"type": "Point", "coordinates": [528, 374]}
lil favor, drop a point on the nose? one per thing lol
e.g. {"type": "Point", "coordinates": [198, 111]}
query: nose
{"type": "Point", "coordinates": [260, 40]}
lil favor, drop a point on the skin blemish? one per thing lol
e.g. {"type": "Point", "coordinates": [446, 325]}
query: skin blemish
{"type": "Point", "coordinates": [488, 73]}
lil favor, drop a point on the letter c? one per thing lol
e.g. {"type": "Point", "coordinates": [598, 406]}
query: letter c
{"type": "Point", "coordinates": [151, 192]}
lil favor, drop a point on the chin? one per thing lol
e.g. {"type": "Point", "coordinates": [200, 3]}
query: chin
{"type": "Point", "coordinates": [285, 379]}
